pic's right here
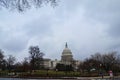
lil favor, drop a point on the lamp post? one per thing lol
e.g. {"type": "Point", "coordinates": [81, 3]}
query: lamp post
{"type": "Point", "coordinates": [56, 71]}
{"type": "Point", "coordinates": [47, 72]}
{"type": "Point", "coordinates": [101, 72]}
{"type": "Point", "coordinates": [65, 68]}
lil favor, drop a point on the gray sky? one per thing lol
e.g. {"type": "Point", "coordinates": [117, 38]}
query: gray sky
{"type": "Point", "coordinates": [89, 26]}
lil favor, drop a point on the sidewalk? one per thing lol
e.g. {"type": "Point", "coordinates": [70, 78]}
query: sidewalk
{"type": "Point", "coordinates": [98, 78]}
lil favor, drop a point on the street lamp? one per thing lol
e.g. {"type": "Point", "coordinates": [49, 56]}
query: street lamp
{"type": "Point", "coordinates": [47, 71]}
{"type": "Point", "coordinates": [56, 72]}
{"type": "Point", "coordinates": [101, 73]}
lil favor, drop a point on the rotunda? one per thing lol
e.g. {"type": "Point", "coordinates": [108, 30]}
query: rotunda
{"type": "Point", "coordinates": [67, 57]}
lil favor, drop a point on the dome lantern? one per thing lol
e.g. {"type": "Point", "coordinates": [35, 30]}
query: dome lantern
{"type": "Point", "coordinates": [66, 46]}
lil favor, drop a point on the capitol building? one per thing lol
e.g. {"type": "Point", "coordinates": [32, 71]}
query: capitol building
{"type": "Point", "coordinates": [66, 59]}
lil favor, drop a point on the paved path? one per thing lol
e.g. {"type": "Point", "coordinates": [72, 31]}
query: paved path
{"type": "Point", "coordinates": [98, 78]}
{"type": "Point", "coordinates": [76, 78]}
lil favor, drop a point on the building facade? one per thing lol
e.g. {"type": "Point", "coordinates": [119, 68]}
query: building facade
{"type": "Point", "coordinates": [66, 59]}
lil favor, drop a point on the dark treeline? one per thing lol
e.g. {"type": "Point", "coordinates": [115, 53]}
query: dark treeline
{"type": "Point", "coordinates": [101, 63]}
{"type": "Point", "coordinates": [96, 63]}
{"type": "Point", "coordinates": [33, 62]}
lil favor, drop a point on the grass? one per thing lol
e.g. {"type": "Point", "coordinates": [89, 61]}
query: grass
{"type": "Point", "coordinates": [51, 73]}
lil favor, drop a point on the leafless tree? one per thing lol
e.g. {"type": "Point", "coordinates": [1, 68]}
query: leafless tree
{"type": "Point", "coordinates": [97, 57]}
{"type": "Point", "coordinates": [10, 62]}
{"type": "Point", "coordinates": [1, 55]}
{"type": "Point", "coordinates": [109, 60]}
{"type": "Point", "coordinates": [1, 59]}
{"type": "Point", "coordinates": [25, 65]}
{"type": "Point", "coordinates": [36, 57]}
{"type": "Point", "coordinates": [106, 62]}
{"type": "Point", "coordinates": [88, 64]}
{"type": "Point", "coordinates": [22, 5]}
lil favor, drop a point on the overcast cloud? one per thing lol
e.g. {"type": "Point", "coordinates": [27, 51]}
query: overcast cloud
{"type": "Point", "coordinates": [89, 26]}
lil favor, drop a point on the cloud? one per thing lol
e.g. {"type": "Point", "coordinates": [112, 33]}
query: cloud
{"type": "Point", "coordinates": [114, 30]}
{"type": "Point", "coordinates": [106, 12]}
{"type": "Point", "coordinates": [12, 41]}
{"type": "Point", "coordinates": [40, 27]}
{"type": "Point", "coordinates": [89, 26]}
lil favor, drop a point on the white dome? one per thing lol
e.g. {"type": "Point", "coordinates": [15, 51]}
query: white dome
{"type": "Point", "coordinates": [67, 56]}
{"type": "Point", "coordinates": [66, 51]}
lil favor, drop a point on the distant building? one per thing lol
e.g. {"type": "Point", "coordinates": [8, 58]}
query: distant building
{"type": "Point", "coordinates": [47, 63]}
{"type": "Point", "coordinates": [66, 59]}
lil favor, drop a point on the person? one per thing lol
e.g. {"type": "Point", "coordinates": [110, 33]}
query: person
{"type": "Point", "coordinates": [101, 74]}
{"type": "Point", "coordinates": [111, 74]}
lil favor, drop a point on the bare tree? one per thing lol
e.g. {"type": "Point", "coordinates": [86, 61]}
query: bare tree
{"type": "Point", "coordinates": [1, 55]}
{"type": "Point", "coordinates": [36, 57]}
{"type": "Point", "coordinates": [22, 5]}
{"type": "Point", "coordinates": [106, 62]}
{"type": "Point", "coordinates": [97, 57]}
{"type": "Point", "coordinates": [89, 64]}
{"type": "Point", "coordinates": [109, 60]}
{"type": "Point", "coordinates": [18, 67]}
{"type": "Point", "coordinates": [1, 59]}
{"type": "Point", "coordinates": [25, 65]}
{"type": "Point", "coordinates": [10, 62]}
